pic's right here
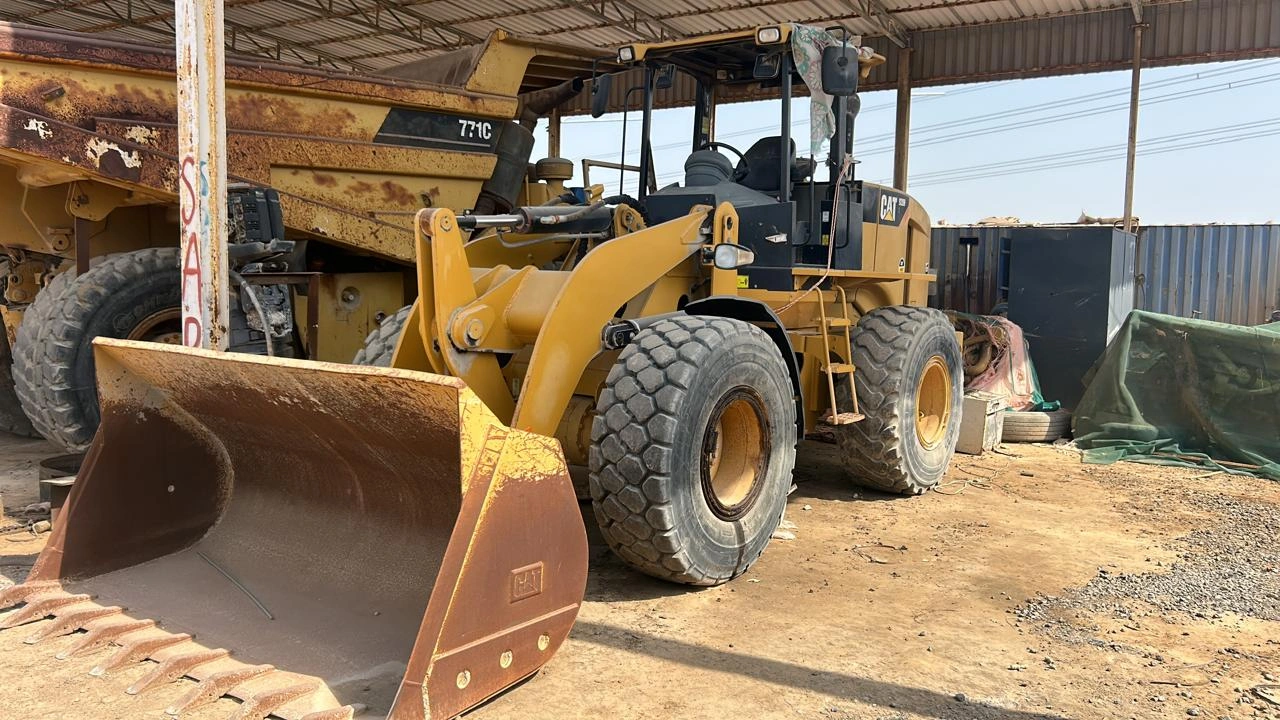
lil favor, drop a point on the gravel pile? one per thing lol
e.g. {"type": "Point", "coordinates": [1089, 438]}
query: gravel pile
{"type": "Point", "coordinates": [1231, 567]}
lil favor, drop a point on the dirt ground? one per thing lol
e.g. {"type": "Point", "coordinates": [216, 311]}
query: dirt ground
{"type": "Point", "coordinates": [1031, 587]}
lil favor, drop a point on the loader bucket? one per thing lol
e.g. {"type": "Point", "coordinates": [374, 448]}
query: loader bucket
{"type": "Point", "coordinates": [334, 539]}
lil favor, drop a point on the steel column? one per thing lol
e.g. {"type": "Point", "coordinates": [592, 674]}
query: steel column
{"type": "Point", "coordinates": [902, 126]}
{"type": "Point", "coordinates": [202, 152]}
{"type": "Point", "coordinates": [1131, 157]}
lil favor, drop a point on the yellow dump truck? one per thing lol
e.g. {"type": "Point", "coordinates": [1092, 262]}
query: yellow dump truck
{"type": "Point", "coordinates": [88, 197]}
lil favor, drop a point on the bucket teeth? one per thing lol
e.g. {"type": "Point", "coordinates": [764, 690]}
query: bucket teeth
{"type": "Point", "coordinates": [138, 649]}
{"type": "Point", "coordinates": [346, 712]}
{"type": "Point", "coordinates": [215, 686]}
{"type": "Point", "coordinates": [39, 607]}
{"type": "Point", "coordinates": [15, 594]}
{"type": "Point", "coordinates": [72, 620]}
{"type": "Point", "coordinates": [175, 667]}
{"type": "Point", "coordinates": [104, 633]}
{"type": "Point", "coordinates": [262, 704]}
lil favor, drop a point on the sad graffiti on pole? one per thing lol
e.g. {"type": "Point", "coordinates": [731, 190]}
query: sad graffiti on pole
{"type": "Point", "coordinates": [202, 171]}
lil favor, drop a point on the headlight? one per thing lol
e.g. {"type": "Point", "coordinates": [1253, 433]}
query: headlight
{"type": "Point", "coordinates": [626, 54]}
{"type": "Point", "coordinates": [729, 256]}
{"type": "Point", "coordinates": [768, 35]}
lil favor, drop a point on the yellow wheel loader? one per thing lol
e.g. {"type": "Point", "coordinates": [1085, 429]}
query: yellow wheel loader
{"type": "Point", "coordinates": [415, 545]}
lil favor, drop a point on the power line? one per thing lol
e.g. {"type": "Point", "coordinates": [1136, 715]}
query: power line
{"type": "Point", "coordinates": [1102, 158]}
{"type": "Point", "coordinates": [1036, 122]}
{"type": "Point", "coordinates": [1080, 153]}
{"type": "Point", "coordinates": [1069, 101]}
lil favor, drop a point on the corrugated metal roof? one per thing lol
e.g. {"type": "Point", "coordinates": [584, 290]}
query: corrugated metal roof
{"type": "Point", "coordinates": [371, 34]}
{"type": "Point", "coordinates": [953, 40]}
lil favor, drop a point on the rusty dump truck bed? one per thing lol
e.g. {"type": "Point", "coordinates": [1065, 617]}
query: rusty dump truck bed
{"type": "Point", "coordinates": [352, 156]}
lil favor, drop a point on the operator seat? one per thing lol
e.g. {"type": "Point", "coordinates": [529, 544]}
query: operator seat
{"type": "Point", "coordinates": [758, 168]}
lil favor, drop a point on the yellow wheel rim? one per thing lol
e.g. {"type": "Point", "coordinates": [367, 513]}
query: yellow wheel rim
{"type": "Point", "coordinates": [933, 403]}
{"type": "Point", "coordinates": [735, 452]}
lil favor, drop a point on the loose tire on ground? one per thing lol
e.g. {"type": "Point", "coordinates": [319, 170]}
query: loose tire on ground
{"type": "Point", "coordinates": [910, 383]}
{"type": "Point", "coordinates": [134, 295]}
{"type": "Point", "coordinates": [692, 449]}
{"type": "Point", "coordinates": [380, 344]}
{"type": "Point", "coordinates": [1035, 426]}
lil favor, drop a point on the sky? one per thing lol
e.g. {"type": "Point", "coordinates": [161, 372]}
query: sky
{"type": "Point", "coordinates": [1208, 143]}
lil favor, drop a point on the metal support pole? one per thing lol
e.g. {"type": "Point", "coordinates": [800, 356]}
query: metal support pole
{"type": "Point", "coordinates": [202, 152]}
{"type": "Point", "coordinates": [553, 134]}
{"type": "Point", "coordinates": [784, 152]}
{"type": "Point", "coordinates": [1131, 157]}
{"type": "Point", "coordinates": [902, 127]}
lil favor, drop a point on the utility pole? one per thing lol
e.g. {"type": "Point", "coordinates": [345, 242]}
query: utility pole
{"type": "Point", "coordinates": [902, 125]}
{"type": "Point", "coordinates": [202, 171]}
{"type": "Point", "coordinates": [1131, 156]}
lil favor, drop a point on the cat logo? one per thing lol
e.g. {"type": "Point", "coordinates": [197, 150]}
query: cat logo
{"type": "Point", "coordinates": [890, 206]}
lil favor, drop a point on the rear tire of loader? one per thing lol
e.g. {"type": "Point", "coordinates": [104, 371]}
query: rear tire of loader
{"type": "Point", "coordinates": [910, 385]}
{"type": "Point", "coordinates": [692, 449]}
{"type": "Point", "coordinates": [380, 345]}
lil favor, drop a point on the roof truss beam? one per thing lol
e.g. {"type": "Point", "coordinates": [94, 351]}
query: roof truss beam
{"type": "Point", "coordinates": [625, 16]}
{"type": "Point", "coordinates": [877, 14]}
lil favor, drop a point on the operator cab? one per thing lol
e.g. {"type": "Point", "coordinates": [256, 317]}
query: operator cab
{"type": "Point", "coordinates": [785, 214]}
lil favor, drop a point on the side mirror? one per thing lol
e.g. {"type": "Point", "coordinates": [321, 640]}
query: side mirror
{"type": "Point", "coordinates": [600, 87]}
{"type": "Point", "coordinates": [767, 67]}
{"type": "Point", "coordinates": [840, 70]}
{"type": "Point", "coordinates": [665, 77]}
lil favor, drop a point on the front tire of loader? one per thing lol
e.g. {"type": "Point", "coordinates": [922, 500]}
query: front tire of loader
{"type": "Point", "coordinates": [910, 384]}
{"type": "Point", "coordinates": [692, 449]}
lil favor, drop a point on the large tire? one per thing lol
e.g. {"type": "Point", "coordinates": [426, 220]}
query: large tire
{"type": "Point", "coordinates": [1032, 426]}
{"type": "Point", "coordinates": [692, 449]}
{"type": "Point", "coordinates": [902, 353]}
{"type": "Point", "coordinates": [53, 370]}
{"type": "Point", "coordinates": [125, 295]}
{"type": "Point", "coordinates": [380, 345]}
{"type": "Point", "coordinates": [12, 417]}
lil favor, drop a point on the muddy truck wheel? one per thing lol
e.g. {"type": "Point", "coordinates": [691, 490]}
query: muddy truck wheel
{"type": "Point", "coordinates": [132, 295]}
{"type": "Point", "coordinates": [692, 449]}
{"type": "Point", "coordinates": [380, 345]}
{"type": "Point", "coordinates": [910, 384]}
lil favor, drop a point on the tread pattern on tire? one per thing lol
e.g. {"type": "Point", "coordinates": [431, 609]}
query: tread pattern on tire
{"type": "Point", "coordinates": [1035, 426]}
{"type": "Point", "coordinates": [28, 375]}
{"type": "Point", "coordinates": [635, 436]}
{"type": "Point", "coordinates": [44, 383]}
{"type": "Point", "coordinates": [873, 446]}
{"type": "Point", "coordinates": [380, 345]}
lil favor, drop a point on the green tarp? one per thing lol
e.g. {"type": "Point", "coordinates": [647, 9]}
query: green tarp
{"type": "Point", "coordinates": [1175, 391]}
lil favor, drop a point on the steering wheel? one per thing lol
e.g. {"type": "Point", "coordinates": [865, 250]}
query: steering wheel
{"type": "Point", "coordinates": [743, 167]}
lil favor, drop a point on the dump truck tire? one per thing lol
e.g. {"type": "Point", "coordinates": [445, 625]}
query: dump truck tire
{"type": "Point", "coordinates": [13, 419]}
{"type": "Point", "coordinates": [380, 345]}
{"type": "Point", "coordinates": [1035, 427]}
{"type": "Point", "coordinates": [119, 295]}
{"type": "Point", "coordinates": [692, 449]}
{"type": "Point", "coordinates": [134, 295]}
{"type": "Point", "coordinates": [910, 383]}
